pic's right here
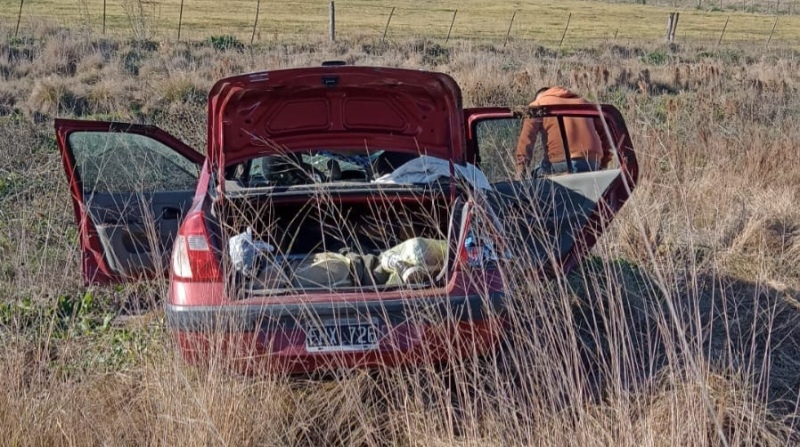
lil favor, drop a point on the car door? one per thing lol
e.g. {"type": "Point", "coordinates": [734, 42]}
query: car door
{"type": "Point", "coordinates": [131, 185]}
{"type": "Point", "coordinates": [552, 221]}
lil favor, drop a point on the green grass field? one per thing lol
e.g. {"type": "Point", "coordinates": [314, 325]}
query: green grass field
{"type": "Point", "coordinates": [543, 22]}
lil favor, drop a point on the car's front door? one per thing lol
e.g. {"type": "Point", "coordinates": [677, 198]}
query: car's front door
{"type": "Point", "coordinates": [552, 220]}
{"type": "Point", "coordinates": [131, 185]}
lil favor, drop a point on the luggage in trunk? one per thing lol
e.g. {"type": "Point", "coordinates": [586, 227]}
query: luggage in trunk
{"type": "Point", "coordinates": [361, 243]}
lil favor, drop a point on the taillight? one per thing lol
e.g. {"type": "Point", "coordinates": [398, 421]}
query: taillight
{"type": "Point", "coordinates": [192, 256]}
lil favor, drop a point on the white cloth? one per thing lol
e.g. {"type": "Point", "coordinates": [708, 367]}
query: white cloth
{"type": "Point", "coordinates": [426, 169]}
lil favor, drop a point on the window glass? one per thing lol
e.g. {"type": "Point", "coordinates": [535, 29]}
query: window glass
{"type": "Point", "coordinates": [303, 168]}
{"type": "Point", "coordinates": [497, 139]}
{"type": "Point", "coordinates": [115, 162]}
{"type": "Point", "coordinates": [588, 143]}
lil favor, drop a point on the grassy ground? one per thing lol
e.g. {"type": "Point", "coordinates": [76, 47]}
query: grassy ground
{"type": "Point", "coordinates": [681, 329]}
{"type": "Point", "coordinates": [542, 22]}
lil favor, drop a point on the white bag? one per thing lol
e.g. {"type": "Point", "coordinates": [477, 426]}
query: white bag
{"type": "Point", "coordinates": [244, 252]}
{"type": "Point", "coordinates": [414, 261]}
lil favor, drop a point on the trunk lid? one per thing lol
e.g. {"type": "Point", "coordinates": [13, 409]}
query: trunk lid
{"type": "Point", "coordinates": [335, 108]}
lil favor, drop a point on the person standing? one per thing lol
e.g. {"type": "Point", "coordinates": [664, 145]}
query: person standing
{"type": "Point", "coordinates": [588, 151]}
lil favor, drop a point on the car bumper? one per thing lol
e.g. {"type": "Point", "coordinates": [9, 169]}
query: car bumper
{"type": "Point", "coordinates": [255, 337]}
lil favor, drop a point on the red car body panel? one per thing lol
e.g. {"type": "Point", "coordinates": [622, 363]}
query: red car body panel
{"type": "Point", "coordinates": [462, 318]}
{"type": "Point", "coordinates": [339, 108]}
{"type": "Point", "coordinates": [283, 351]}
{"type": "Point", "coordinates": [462, 283]}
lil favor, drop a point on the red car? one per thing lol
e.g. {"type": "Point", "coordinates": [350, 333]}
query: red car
{"type": "Point", "coordinates": [321, 172]}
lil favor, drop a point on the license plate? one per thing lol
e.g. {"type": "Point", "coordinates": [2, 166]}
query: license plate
{"type": "Point", "coordinates": [342, 336]}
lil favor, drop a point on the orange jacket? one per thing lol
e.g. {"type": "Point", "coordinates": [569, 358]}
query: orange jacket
{"type": "Point", "coordinates": [582, 133]}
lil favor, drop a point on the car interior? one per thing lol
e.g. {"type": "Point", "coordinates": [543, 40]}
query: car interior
{"type": "Point", "coordinates": [313, 167]}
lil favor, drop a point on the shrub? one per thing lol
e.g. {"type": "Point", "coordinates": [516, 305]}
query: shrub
{"type": "Point", "coordinates": [7, 102]}
{"type": "Point", "coordinates": [131, 61]}
{"type": "Point", "coordinates": [56, 96]}
{"type": "Point", "coordinates": [225, 42]}
{"type": "Point", "coordinates": [657, 57]}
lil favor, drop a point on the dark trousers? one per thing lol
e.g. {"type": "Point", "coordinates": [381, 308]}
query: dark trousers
{"type": "Point", "coordinates": [578, 165]}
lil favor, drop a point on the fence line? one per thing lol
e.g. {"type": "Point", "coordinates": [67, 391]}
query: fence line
{"type": "Point", "coordinates": [383, 21]}
{"type": "Point", "coordinates": [750, 6]}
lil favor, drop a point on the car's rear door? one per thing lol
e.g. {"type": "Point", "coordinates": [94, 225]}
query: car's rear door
{"type": "Point", "coordinates": [131, 185]}
{"type": "Point", "coordinates": [552, 221]}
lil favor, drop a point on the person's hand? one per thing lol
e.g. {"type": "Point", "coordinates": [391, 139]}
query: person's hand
{"type": "Point", "coordinates": [519, 173]}
{"type": "Point", "coordinates": [520, 166]}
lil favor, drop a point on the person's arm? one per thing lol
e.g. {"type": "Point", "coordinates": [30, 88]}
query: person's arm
{"type": "Point", "coordinates": [525, 145]}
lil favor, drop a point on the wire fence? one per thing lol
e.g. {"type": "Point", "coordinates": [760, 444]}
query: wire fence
{"type": "Point", "coordinates": [747, 6]}
{"type": "Point", "coordinates": [257, 21]}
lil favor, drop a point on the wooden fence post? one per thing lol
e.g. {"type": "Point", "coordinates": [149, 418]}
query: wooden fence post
{"type": "Point", "coordinates": [332, 22]}
{"type": "Point", "coordinates": [674, 26]}
{"type": "Point", "coordinates": [723, 31]}
{"type": "Point", "coordinates": [565, 30]}
{"type": "Point", "coordinates": [104, 17]}
{"type": "Point", "coordinates": [255, 22]}
{"type": "Point", "coordinates": [180, 20]}
{"type": "Point", "coordinates": [669, 25]}
{"type": "Point", "coordinates": [451, 26]}
{"type": "Point", "coordinates": [386, 28]}
{"type": "Point", "coordinates": [772, 31]}
{"type": "Point", "coordinates": [510, 24]}
{"type": "Point", "coordinates": [19, 18]}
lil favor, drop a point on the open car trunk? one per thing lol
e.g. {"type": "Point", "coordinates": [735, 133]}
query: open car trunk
{"type": "Point", "coordinates": [324, 241]}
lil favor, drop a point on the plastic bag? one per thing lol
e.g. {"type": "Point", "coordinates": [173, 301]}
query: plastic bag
{"type": "Point", "coordinates": [246, 253]}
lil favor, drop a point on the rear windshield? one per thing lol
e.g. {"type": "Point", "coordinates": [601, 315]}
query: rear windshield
{"type": "Point", "coordinates": [310, 167]}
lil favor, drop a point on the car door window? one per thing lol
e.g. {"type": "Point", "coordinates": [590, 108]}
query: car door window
{"type": "Point", "coordinates": [114, 162]}
{"type": "Point", "coordinates": [497, 139]}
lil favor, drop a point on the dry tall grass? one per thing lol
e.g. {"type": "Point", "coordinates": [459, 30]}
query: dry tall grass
{"type": "Point", "coordinates": [679, 330]}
